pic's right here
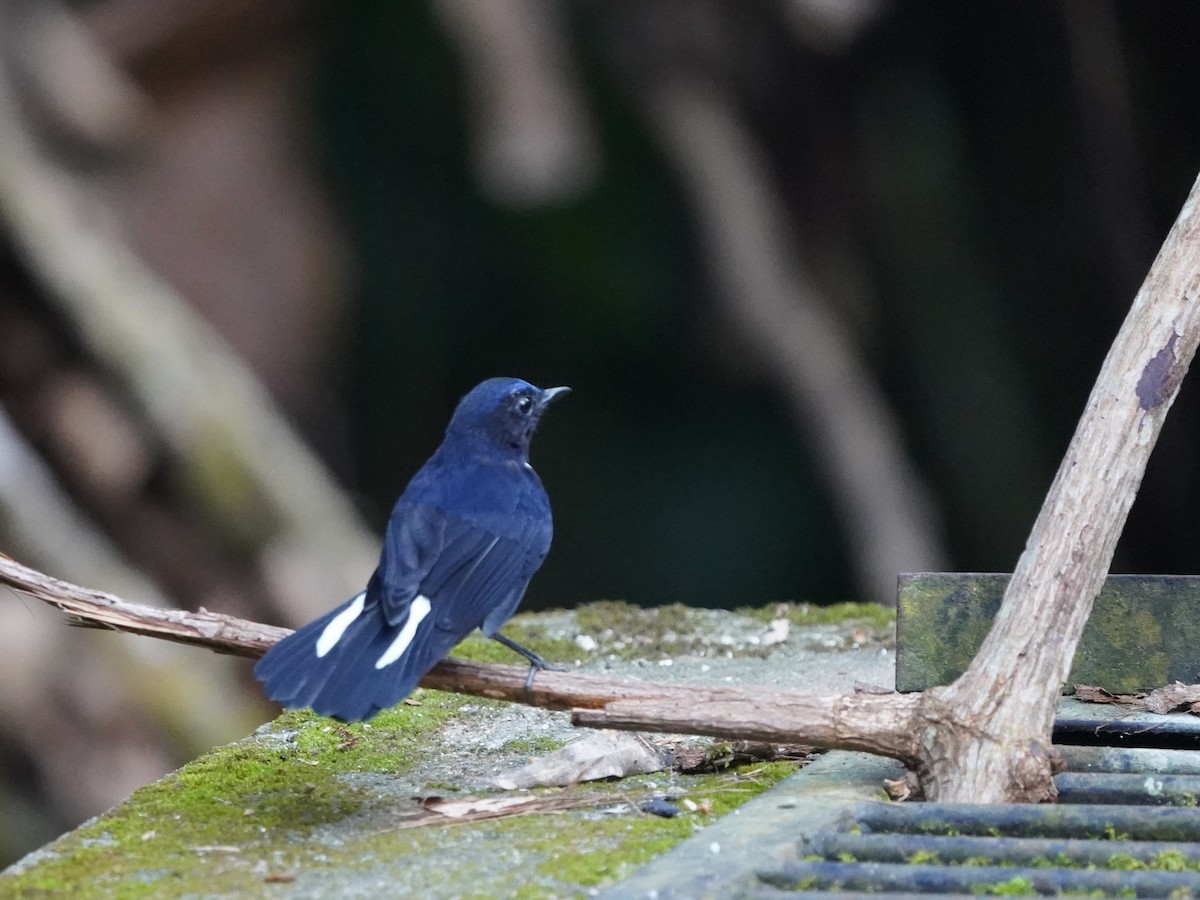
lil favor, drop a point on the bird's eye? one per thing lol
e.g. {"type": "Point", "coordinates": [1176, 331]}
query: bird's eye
{"type": "Point", "coordinates": [524, 405]}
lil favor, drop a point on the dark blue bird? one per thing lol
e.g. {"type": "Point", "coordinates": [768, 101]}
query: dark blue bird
{"type": "Point", "coordinates": [463, 541]}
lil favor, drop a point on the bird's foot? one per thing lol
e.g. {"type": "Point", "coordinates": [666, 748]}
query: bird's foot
{"type": "Point", "coordinates": [536, 661]}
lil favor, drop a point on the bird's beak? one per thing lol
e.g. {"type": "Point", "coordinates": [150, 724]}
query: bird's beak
{"type": "Point", "coordinates": [550, 394]}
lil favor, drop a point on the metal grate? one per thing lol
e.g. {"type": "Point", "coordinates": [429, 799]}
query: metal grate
{"type": "Point", "coordinates": [1127, 818]}
{"type": "Point", "coordinates": [1115, 832]}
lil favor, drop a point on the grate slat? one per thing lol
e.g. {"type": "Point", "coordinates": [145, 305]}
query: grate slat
{"type": "Point", "coordinates": [1080, 758]}
{"type": "Point", "coordinates": [1163, 790]}
{"type": "Point", "coordinates": [767, 892]}
{"type": "Point", "coordinates": [904, 848]}
{"type": "Point", "coordinates": [935, 879]}
{"type": "Point", "coordinates": [960, 848]}
{"type": "Point", "coordinates": [1140, 823]}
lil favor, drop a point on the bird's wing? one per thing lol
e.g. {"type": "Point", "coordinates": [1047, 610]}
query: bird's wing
{"type": "Point", "coordinates": [534, 541]}
{"type": "Point", "coordinates": [478, 571]}
{"type": "Point", "coordinates": [414, 544]}
{"type": "Point", "coordinates": [432, 553]}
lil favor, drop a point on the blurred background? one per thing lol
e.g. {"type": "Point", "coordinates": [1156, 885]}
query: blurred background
{"type": "Point", "coordinates": [830, 279]}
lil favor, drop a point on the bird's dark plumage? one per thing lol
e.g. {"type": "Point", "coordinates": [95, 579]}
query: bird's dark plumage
{"type": "Point", "coordinates": [463, 541]}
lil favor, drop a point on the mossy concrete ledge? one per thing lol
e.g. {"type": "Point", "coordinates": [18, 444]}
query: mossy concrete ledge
{"type": "Point", "coordinates": [306, 807]}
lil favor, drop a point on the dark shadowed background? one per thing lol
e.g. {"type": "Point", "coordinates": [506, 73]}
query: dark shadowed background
{"type": "Point", "coordinates": [830, 282]}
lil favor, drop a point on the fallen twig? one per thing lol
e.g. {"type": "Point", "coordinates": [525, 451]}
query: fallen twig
{"type": "Point", "coordinates": [874, 723]}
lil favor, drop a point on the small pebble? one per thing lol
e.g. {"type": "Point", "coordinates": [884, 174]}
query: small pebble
{"type": "Point", "coordinates": [660, 808]}
{"type": "Point", "coordinates": [585, 642]}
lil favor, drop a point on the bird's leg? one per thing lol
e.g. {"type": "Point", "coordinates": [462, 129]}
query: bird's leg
{"type": "Point", "coordinates": [536, 661]}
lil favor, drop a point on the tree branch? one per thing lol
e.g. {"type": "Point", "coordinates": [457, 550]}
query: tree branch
{"type": "Point", "coordinates": [1010, 690]}
{"type": "Point", "coordinates": [96, 609]}
{"type": "Point", "coordinates": [875, 723]}
{"type": "Point", "coordinates": [882, 724]}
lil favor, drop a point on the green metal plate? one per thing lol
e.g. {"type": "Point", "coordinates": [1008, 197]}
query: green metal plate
{"type": "Point", "coordinates": [1144, 631]}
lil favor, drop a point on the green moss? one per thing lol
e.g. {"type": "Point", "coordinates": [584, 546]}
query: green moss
{"type": "Point", "coordinates": [1014, 887]}
{"type": "Point", "coordinates": [924, 857]}
{"type": "Point", "coordinates": [1173, 861]}
{"type": "Point", "coordinates": [1121, 632]}
{"type": "Point", "coordinates": [482, 649]}
{"type": "Point", "coordinates": [1124, 862]}
{"type": "Point", "coordinates": [1125, 647]}
{"type": "Point", "coordinates": [243, 796]}
{"type": "Point", "coordinates": [626, 631]}
{"type": "Point", "coordinates": [867, 615]}
{"type": "Point", "coordinates": [627, 843]}
{"type": "Point", "coordinates": [650, 625]}
{"type": "Point", "coordinates": [226, 823]}
{"type": "Point", "coordinates": [565, 852]}
{"type": "Point", "coordinates": [943, 620]}
{"type": "Point", "coordinates": [1060, 861]}
{"type": "Point", "coordinates": [1111, 833]}
{"type": "Point", "coordinates": [631, 632]}
{"type": "Point", "coordinates": [533, 745]}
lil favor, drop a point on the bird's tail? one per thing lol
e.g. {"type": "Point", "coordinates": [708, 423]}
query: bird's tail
{"type": "Point", "coordinates": [351, 663]}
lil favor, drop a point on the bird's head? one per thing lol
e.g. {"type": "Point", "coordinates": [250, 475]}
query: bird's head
{"type": "Point", "coordinates": [503, 411]}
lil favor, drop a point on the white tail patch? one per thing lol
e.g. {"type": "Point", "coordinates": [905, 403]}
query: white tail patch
{"type": "Point", "coordinates": [338, 624]}
{"type": "Point", "coordinates": [417, 610]}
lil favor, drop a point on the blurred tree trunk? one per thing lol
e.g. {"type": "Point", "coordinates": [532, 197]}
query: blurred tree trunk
{"type": "Point", "coordinates": [885, 509]}
{"type": "Point", "coordinates": [147, 147]}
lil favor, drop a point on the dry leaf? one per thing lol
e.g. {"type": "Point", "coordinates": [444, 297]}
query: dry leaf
{"type": "Point", "coordinates": [1089, 693]}
{"type": "Point", "coordinates": [901, 789]}
{"type": "Point", "coordinates": [475, 807]}
{"type": "Point", "coordinates": [605, 754]}
{"type": "Point", "coordinates": [1177, 697]}
{"type": "Point", "coordinates": [463, 810]}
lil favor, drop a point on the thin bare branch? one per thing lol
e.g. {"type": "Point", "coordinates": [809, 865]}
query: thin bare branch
{"type": "Point", "coordinates": [873, 723]}
{"type": "Point", "coordinates": [876, 723]}
{"type": "Point", "coordinates": [97, 609]}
